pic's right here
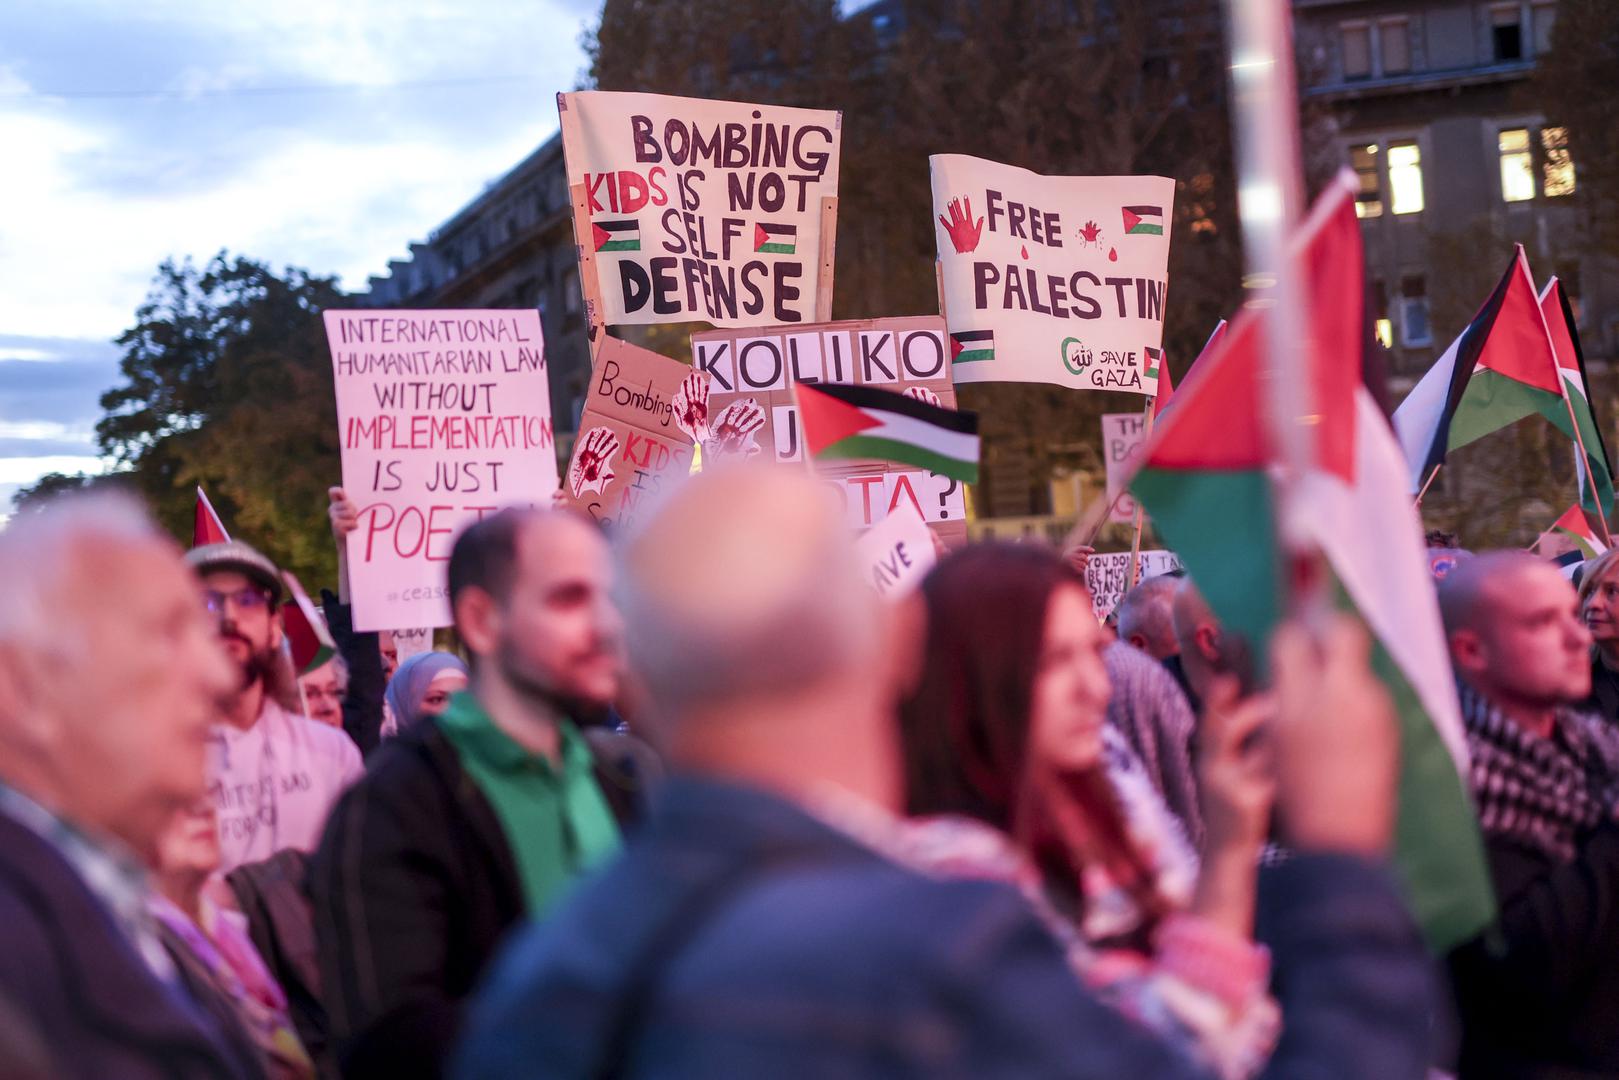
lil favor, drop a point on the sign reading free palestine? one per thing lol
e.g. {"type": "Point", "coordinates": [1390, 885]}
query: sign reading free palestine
{"type": "Point", "coordinates": [1053, 279]}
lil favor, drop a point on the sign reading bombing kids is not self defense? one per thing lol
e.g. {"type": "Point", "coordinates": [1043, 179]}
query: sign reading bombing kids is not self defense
{"type": "Point", "coordinates": [443, 417]}
{"type": "Point", "coordinates": [629, 445]}
{"type": "Point", "coordinates": [1054, 279]}
{"type": "Point", "coordinates": [697, 210]}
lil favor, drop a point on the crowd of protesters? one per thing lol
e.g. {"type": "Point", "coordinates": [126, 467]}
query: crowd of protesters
{"type": "Point", "coordinates": [693, 801]}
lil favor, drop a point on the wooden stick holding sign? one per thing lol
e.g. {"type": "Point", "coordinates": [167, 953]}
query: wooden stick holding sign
{"type": "Point", "coordinates": [589, 285]}
{"type": "Point", "coordinates": [1135, 545]}
{"type": "Point", "coordinates": [829, 258]}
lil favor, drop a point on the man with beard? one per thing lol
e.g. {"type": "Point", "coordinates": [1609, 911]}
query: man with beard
{"type": "Point", "coordinates": [274, 775]}
{"type": "Point", "coordinates": [472, 821]}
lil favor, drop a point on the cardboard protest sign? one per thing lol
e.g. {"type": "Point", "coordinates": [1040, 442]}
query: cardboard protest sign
{"type": "Point", "coordinates": [629, 444]}
{"type": "Point", "coordinates": [750, 377]}
{"type": "Point", "coordinates": [693, 210]}
{"type": "Point", "coordinates": [443, 417]}
{"type": "Point", "coordinates": [1054, 279]}
{"type": "Point", "coordinates": [413, 641]}
{"type": "Point", "coordinates": [1107, 575]}
{"type": "Point", "coordinates": [897, 554]}
{"type": "Point", "coordinates": [1122, 437]}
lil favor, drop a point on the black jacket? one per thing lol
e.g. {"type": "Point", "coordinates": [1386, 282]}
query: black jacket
{"type": "Point", "coordinates": [362, 704]}
{"type": "Point", "coordinates": [1539, 991]}
{"type": "Point", "coordinates": [76, 991]}
{"type": "Point", "coordinates": [414, 887]}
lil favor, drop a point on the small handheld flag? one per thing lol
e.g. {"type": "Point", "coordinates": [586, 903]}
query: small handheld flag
{"type": "Point", "coordinates": [206, 528]}
{"type": "Point", "coordinates": [1577, 527]}
{"type": "Point", "coordinates": [864, 422]}
{"type": "Point", "coordinates": [308, 638]}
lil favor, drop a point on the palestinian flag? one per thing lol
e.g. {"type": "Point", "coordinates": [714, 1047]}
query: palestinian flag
{"type": "Point", "coordinates": [308, 638]}
{"type": "Point", "coordinates": [1498, 371]}
{"type": "Point", "coordinates": [970, 346]}
{"type": "Point", "coordinates": [206, 528]}
{"type": "Point", "coordinates": [775, 239]}
{"type": "Point", "coordinates": [1143, 220]}
{"type": "Point", "coordinates": [1577, 527]}
{"type": "Point", "coordinates": [1166, 388]}
{"type": "Point", "coordinates": [1596, 478]}
{"type": "Point", "coordinates": [622, 235]}
{"type": "Point", "coordinates": [864, 422]}
{"type": "Point", "coordinates": [1209, 462]}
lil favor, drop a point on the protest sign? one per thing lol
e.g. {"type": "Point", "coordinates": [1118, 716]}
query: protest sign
{"type": "Point", "coordinates": [629, 443]}
{"type": "Point", "coordinates": [750, 376]}
{"type": "Point", "coordinates": [410, 642]}
{"type": "Point", "coordinates": [443, 417]}
{"type": "Point", "coordinates": [1054, 279]}
{"type": "Point", "coordinates": [693, 210]}
{"type": "Point", "coordinates": [1122, 437]}
{"type": "Point", "coordinates": [897, 553]}
{"type": "Point", "coordinates": [1108, 575]}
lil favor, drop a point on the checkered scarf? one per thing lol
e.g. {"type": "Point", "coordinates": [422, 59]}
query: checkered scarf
{"type": "Point", "coordinates": [1542, 793]}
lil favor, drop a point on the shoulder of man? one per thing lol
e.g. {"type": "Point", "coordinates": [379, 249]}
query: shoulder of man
{"type": "Point", "coordinates": [627, 769]}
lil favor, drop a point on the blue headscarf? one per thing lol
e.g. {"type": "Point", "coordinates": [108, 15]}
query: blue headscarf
{"type": "Point", "coordinates": [410, 682]}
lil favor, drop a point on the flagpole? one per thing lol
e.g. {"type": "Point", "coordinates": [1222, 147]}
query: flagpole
{"type": "Point", "coordinates": [1269, 200]}
{"type": "Point", "coordinates": [1135, 545]}
{"type": "Point", "coordinates": [1428, 483]}
{"type": "Point", "coordinates": [1596, 500]}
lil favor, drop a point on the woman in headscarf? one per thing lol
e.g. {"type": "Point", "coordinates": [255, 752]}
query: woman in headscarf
{"type": "Point", "coordinates": [422, 687]}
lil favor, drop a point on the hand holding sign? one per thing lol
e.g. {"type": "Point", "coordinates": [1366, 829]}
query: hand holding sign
{"type": "Point", "coordinates": [924, 395]}
{"type": "Point", "coordinates": [963, 233]}
{"type": "Point", "coordinates": [734, 430]}
{"type": "Point", "coordinates": [691, 407]}
{"type": "Point", "coordinates": [592, 470]}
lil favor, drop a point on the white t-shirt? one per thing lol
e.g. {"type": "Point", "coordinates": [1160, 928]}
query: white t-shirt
{"type": "Point", "coordinates": [274, 783]}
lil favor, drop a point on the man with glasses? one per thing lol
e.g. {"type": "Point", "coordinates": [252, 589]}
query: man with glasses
{"type": "Point", "coordinates": [274, 774]}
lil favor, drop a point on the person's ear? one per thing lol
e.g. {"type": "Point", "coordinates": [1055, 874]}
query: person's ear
{"type": "Point", "coordinates": [23, 685]}
{"type": "Point", "coordinates": [1208, 643]}
{"type": "Point", "coordinates": [477, 620]}
{"type": "Point", "coordinates": [1468, 651]}
{"type": "Point", "coordinates": [277, 629]}
{"type": "Point", "coordinates": [1138, 641]}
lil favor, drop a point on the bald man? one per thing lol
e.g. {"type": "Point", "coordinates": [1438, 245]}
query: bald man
{"type": "Point", "coordinates": [110, 678]}
{"type": "Point", "coordinates": [475, 820]}
{"type": "Point", "coordinates": [1539, 992]}
{"type": "Point", "coordinates": [758, 927]}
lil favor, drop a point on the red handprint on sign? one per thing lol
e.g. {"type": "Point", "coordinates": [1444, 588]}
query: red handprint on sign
{"type": "Point", "coordinates": [592, 465]}
{"type": "Point", "coordinates": [963, 232]}
{"type": "Point", "coordinates": [734, 431]}
{"type": "Point", "coordinates": [691, 407]}
{"type": "Point", "coordinates": [1091, 235]}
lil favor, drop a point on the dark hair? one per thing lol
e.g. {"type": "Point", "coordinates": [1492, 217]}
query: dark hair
{"type": "Point", "coordinates": [965, 728]}
{"type": "Point", "coordinates": [485, 555]}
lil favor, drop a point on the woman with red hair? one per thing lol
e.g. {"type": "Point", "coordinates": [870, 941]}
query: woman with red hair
{"type": "Point", "coordinates": [1012, 774]}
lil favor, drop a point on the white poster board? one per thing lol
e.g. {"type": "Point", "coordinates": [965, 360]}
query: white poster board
{"type": "Point", "coordinates": [897, 553]}
{"type": "Point", "coordinates": [1108, 575]}
{"type": "Point", "coordinates": [1053, 279]}
{"type": "Point", "coordinates": [1123, 435]}
{"type": "Point", "coordinates": [698, 210]}
{"type": "Point", "coordinates": [443, 417]}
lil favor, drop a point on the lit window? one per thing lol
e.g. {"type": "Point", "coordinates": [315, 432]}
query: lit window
{"type": "Point", "coordinates": [1394, 41]}
{"type": "Point", "coordinates": [1544, 15]}
{"type": "Point", "coordinates": [1517, 169]}
{"type": "Point", "coordinates": [1414, 328]}
{"type": "Point", "coordinates": [1405, 177]}
{"type": "Point", "coordinates": [1369, 200]}
{"type": "Point", "coordinates": [1557, 170]}
{"type": "Point", "coordinates": [1382, 325]}
{"type": "Point", "coordinates": [1506, 30]}
{"type": "Point", "coordinates": [1357, 39]}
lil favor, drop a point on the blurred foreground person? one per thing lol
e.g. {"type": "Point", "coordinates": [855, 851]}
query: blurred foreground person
{"type": "Point", "coordinates": [756, 926]}
{"type": "Point", "coordinates": [1599, 608]}
{"type": "Point", "coordinates": [1539, 991]}
{"type": "Point", "coordinates": [468, 822]}
{"type": "Point", "coordinates": [110, 677]}
{"type": "Point", "coordinates": [323, 691]}
{"type": "Point", "coordinates": [1009, 757]}
{"type": "Point", "coordinates": [274, 774]}
{"type": "Point", "coordinates": [211, 948]}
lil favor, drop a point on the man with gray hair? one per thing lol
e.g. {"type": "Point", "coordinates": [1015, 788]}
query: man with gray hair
{"type": "Point", "coordinates": [109, 680]}
{"type": "Point", "coordinates": [757, 926]}
{"type": "Point", "coordinates": [1539, 993]}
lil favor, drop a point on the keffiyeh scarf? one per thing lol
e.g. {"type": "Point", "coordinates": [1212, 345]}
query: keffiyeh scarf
{"type": "Point", "coordinates": [1542, 793]}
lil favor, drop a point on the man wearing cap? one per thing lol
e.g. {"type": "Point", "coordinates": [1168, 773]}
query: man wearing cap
{"type": "Point", "coordinates": [274, 774]}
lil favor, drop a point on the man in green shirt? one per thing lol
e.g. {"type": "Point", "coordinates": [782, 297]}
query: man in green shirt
{"type": "Point", "coordinates": [472, 821]}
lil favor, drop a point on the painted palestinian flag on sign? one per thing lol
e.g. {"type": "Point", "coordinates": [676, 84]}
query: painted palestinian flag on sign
{"type": "Point", "coordinates": [616, 235]}
{"type": "Point", "coordinates": [775, 239]}
{"type": "Point", "coordinates": [970, 346]}
{"type": "Point", "coordinates": [206, 528]}
{"type": "Point", "coordinates": [864, 422]}
{"type": "Point", "coordinates": [1499, 370]}
{"type": "Point", "coordinates": [1209, 464]}
{"type": "Point", "coordinates": [1143, 220]}
{"type": "Point", "coordinates": [1592, 468]}
{"type": "Point", "coordinates": [1577, 527]}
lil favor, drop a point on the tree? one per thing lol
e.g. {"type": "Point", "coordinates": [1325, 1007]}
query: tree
{"type": "Point", "coordinates": [1577, 86]}
{"type": "Point", "coordinates": [228, 384]}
